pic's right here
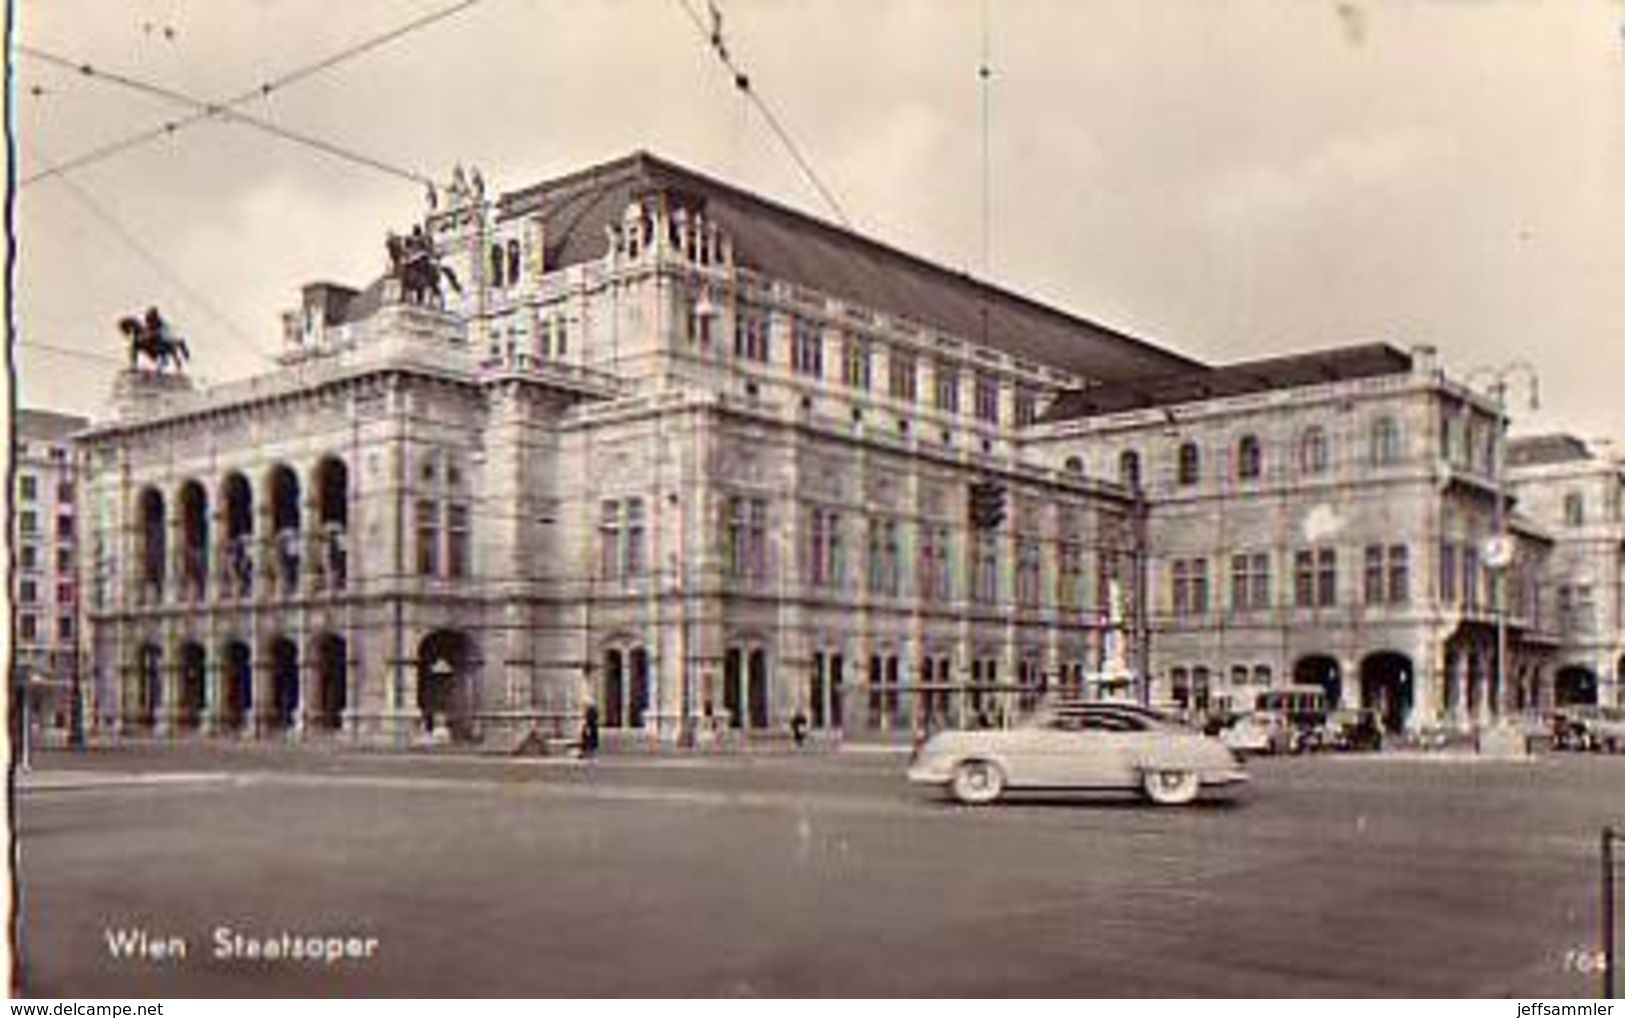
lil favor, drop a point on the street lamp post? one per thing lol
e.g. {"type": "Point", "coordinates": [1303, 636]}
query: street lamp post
{"type": "Point", "coordinates": [1498, 551]}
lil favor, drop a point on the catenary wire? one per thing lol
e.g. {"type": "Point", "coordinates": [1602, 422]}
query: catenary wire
{"type": "Point", "coordinates": [261, 91]}
{"type": "Point", "coordinates": [741, 80]}
{"type": "Point", "coordinates": [157, 264]}
{"type": "Point", "coordinates": [209, 110]}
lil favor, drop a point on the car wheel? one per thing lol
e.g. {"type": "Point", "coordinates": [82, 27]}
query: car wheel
{"type": "Point", "coordinates": [977, 782]}
{"type": "Point", "coordinates": [1170, 788]}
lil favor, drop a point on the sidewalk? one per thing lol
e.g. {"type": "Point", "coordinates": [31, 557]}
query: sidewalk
{"type": "Point", "coordinates": [78, 780]}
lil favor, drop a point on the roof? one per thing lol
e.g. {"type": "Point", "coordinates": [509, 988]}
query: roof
{"type": "Point", "coordinates": [48, 425]}
{"type": "Point", "coordinates": [1323, 367]}
{"type": "Point", "coordinates": [785, 244]}
{"type": "Point", "coordinates": [1539, 450]}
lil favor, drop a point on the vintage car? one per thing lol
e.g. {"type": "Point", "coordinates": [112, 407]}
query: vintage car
{"type": "Point", "coordinates": [1589, 727]}
{"type": "Point", "coordinates": [1259, 733]}
{"type": "Point", "coordinates": [1105, 746]}
{"type": "Point", "coordinates": [1353, 731]}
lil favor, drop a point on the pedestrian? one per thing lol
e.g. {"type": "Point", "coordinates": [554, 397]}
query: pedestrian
{"type": "Point", "coordinates": [798, 727]}
{"type": "Point", "coordinates": [589, 731]}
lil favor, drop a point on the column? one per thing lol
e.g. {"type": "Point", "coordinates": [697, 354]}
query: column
{"type": "Point", "coordinates": [167, 719]}
{"type": "Point", "coordinates": [312, 555]}
{"type": "Point", "coordinates": [213, 677]}
{"type": "Point", "coordinates": [257, 723]}
{"type": "Point", "coordinates": [1459, 717]}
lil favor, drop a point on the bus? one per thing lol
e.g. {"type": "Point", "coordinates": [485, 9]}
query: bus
{"type": "Point", "coordinates": [1303, 706]}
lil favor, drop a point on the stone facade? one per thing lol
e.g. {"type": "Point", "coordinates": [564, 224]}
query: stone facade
{"type": "Point", "coordinates": [1576, 492]}
{"type": "Point", "coordinates": [1307, 525]}
{"type": "Point", "coordinates": [629, 467]}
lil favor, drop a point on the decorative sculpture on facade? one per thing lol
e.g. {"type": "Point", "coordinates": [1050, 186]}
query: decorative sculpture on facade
{"type": "Point", "coordinates": [414, 264]}
{"type": "Point", "coordinates": [150, 337]}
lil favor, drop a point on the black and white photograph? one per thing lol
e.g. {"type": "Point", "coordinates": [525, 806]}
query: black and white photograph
{"type": "Point", "coordinates": [823, 499]}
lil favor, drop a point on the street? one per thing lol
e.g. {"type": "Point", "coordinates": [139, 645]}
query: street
{"type": "Point", "coordinates": [822, 874]}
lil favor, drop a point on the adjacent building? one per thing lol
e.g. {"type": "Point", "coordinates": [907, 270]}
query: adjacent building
{"type": "Point", "coordinates": [44, 534]}
{"type": "Point", "coordinates": [1577, 493]}
{"type": "Point", "coordinates": [1338, 519]}
{"type": "Point", "coordinates": [668, 449]}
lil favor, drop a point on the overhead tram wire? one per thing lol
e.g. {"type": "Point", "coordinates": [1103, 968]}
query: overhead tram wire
{"type": "Point", "coordinates": [261, 91]}
{"type": "Point", "coordinates": [213, 110]}
{"type": "Point", "coordinates": [713, 38]}
{"type": "Point", "coordinates": [157, 264]}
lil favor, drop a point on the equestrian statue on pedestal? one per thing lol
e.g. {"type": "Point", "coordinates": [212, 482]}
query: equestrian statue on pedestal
{"type": "Point", "coordinates": [414, 264]}
{"type": "Point", "coordinates": [150, 337]}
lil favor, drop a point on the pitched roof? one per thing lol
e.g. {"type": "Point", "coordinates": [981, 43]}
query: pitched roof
{"type": "Point", "coordinates": [48, 425]}
{"type": "Point", "coordinates": [1538, 450]}
{"type": "Point", "coordinates": [1320, 368]}
{"type": "Point", "coordinates": [785, 244]}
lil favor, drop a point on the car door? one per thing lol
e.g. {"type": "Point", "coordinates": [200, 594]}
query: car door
{"type": "Point", "coordinates": [1085, 751]}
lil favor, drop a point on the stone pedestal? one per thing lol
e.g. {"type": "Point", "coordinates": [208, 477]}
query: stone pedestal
{"type": "Point", "coordinates": [141, 391]}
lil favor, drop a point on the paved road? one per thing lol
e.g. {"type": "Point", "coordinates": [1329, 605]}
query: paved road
{"type": "Point", "coordinates": [821, 875]}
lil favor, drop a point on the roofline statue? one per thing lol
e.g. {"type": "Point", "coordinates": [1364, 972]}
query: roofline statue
{"type": "Point", "coordinates": [414, 264]}
{"type": "Point", "coordinates": [149, 336]}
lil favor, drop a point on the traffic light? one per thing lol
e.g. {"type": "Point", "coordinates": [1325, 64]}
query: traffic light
{"type": "Point", "coordinates": [986, 505]}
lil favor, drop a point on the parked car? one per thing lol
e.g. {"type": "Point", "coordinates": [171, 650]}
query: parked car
{"type": "Point", "coordinates": [1258, 733]}
{"type": "Point", "coordinates": [1356, 731]}
{"type": "Point", "coordinates": [1084, 746]}
{"type": "Point", "coordinates": [1589, 727]}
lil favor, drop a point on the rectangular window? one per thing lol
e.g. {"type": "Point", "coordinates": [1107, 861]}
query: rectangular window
{"type": "Point", "coordinates": [632, 555]}
{"type": "Point", "coordinates": [947, 388]}
{"type": "Point", "coordinates": [64, 627]}
{"type": "Point", "coordinates": [64, 593]}
{"type": "Point", "coordinates": [609, 540]}
{"type": "Point", "coordinates": [884, 557]}
{"type": "Point", "coordinates": [934, 564]}
{"type": "Point", "coordinates": [28, 592]}
{"type": "Point", "coordinates": [1399, 574]}
{"type": "Point", "coordinates": [457, 544]}
{"type": "Point", "coordinates": [1070, 579]}
{"type": "Point", "coordinates": [28, 488]}
{"type": "Point", "coordinates": [751, 334]}
{"type": "Point", "coordinates": [1375, 585]}
{"type": "Point", "coordinates": [985, 569]}
{"type": "Point", "coordinates": [28, 558]}
{"type": "Point", "coordinates": [824, 548]}
{"type": "Point", "coordinates": [1029, 573]}
{"type": "Point", "coordinates": [1241, 590]}
{"type": "Point", "coordinates": [807, 348]}
{"type": "Point", "coordinates": [1326, 586]}
{"type": "Point", "coordinates": [1469, 576]}
{"type": "Point", "coordinates": [1026, 407]}
{"type": "Point", "coordinates": [64, 561]}
{"type": "Point", "coordinates": [1447, 573]}
{"type": "Point", "coordinates": [855, 365]}
{"type": "Point", "coordinates": [737, 536]}
{"type": "Point", "coordinates": [64, 527]}
{"type": "Point", "coordinates": [902, 376]}
{"type": "Point", "coordinates": [428, 530]}
{"type": "Point", "coordinates": [28, 523]}
{"type": "Point", "coordinates": [1190, 586]}
{"type": "Point", "coordinates": [987, 399]}
{"type": "Point", "coordinates": [1261, 580]}
{"type": "Point", "coordinates": [27, 628]}
{"type": "Point", "coordinates": [1303, 579]}
{"type": "Point", "coordinates": [757, 539]}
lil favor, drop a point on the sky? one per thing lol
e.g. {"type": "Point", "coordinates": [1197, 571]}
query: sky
{"type": "Point", "coordinates": [1227, 178]}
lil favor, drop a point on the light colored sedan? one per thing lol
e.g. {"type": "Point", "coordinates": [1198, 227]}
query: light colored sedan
{"type": "Point", "coordinates": [1085, 746]}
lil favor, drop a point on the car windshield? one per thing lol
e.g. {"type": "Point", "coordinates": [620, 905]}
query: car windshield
{"type": "Point", "coordinates": [1085, 716]}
